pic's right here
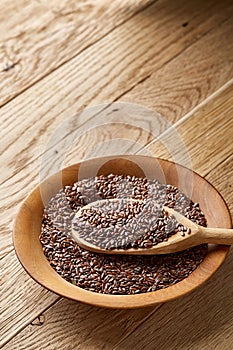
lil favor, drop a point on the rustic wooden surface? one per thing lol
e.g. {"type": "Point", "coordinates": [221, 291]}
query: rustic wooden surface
{"type": "Point", "coordinates": [56, 58]}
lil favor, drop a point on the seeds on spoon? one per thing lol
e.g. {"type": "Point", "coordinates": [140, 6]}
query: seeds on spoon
{"type": "Point", "coordinates": [125, 224]}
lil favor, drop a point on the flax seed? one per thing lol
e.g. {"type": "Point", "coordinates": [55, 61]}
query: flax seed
{"type": "Point", "coordinates": [116, 274]}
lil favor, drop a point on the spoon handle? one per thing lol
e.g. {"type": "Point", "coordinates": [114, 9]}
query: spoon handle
{"type": "Point", "coordinates": [217, 235]}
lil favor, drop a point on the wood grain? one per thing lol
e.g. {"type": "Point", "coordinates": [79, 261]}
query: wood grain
{"type": "Point", "coordinates": [220, 101]}
{"type": "Point", "coordinates": [38, 37]}
{"type": "Point", "coordinates": [23, 298]}
{"type": "Point", "coordinates": [90, 79]}
{"type": "Point", "coordinates": [221, 177]}
{"type": "Point", "coordinates": [210, 66]}
{"type": "Point", "coordinates": [137, 54]}
{"type": "Point", "coordinates": [210, 141]}
{"type": "Point", "coordinates": [88, 327]}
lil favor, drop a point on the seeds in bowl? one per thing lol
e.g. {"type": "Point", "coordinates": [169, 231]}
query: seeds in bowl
{"type": "Point", "coordinates": [119, 274]}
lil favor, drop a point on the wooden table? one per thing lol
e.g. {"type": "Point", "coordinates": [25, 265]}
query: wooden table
{"type": "Point", "coordinates": [58, 57]}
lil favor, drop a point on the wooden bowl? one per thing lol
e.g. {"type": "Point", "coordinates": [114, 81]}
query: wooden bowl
{"type": "Point", "coordinates": [28, 224]}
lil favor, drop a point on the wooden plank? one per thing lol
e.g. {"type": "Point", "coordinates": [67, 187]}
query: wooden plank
{"type": "Point", "coordinates": [31, 300]}
{"type": "Point", "coordinates": [222, 102]}
{"type": "Point", "coordinates": [89, 327]}
{"type": "Point", "coordinates": [91, 79]}
{"type": "Point", "coordinates": [66, 7]}
{"type": "Point", "coordinates": [222, 179]}
{"type": "Point", "coordinates": [38, 37]}
{"type": "Point", "coordinates": [206, 136]}
{"type": "Point", "coordinates": [192, 76]}
{"type": "Point", "coordinates": [17, 288]}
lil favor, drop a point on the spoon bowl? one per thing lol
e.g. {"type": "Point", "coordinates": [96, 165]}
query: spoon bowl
{"type": "Point", "coordinates": [177, 242]}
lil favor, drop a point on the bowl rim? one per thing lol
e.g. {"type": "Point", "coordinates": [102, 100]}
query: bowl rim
{"type": "Point", "coordinates": [213, 259]}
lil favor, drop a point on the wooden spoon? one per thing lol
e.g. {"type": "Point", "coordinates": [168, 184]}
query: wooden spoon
{"type": "Point", "coordinates": [175, 243]}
